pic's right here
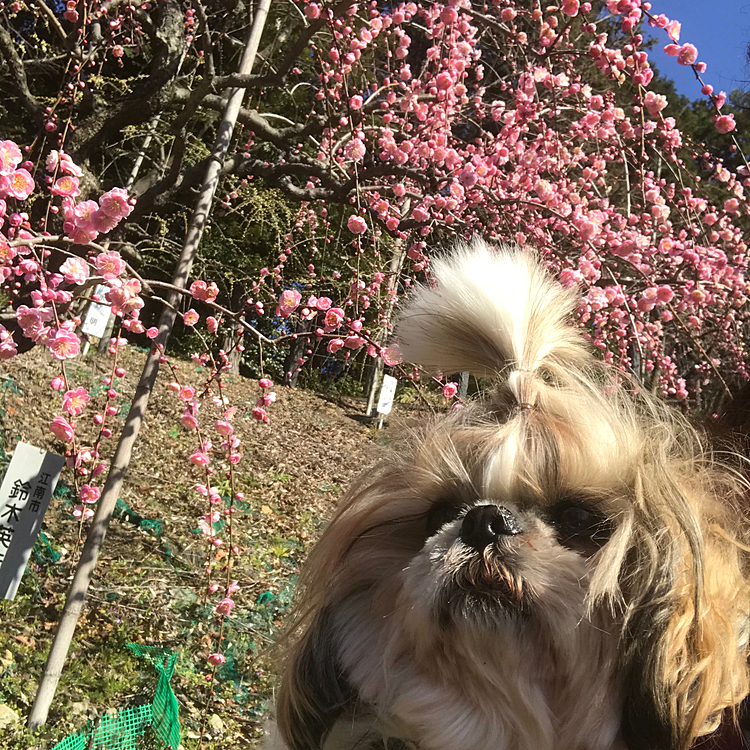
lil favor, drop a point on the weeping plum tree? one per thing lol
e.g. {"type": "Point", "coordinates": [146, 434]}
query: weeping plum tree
{"type": "Point", "coordinates": [404, 126]}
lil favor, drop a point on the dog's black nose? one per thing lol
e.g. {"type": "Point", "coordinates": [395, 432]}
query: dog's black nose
{"type": "Point", "coordinates": [485, 524]}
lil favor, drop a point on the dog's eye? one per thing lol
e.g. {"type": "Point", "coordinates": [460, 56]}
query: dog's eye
{"type": "Point", "coordinates": [581, 525]}
{"type": "Point", "coordinates": [439, 515]}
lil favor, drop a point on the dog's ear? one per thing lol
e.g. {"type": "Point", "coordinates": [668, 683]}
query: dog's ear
{"type": "Point", "coordinates": [685, 642]}
{"type": "Point", "coordinates": [314, 691]}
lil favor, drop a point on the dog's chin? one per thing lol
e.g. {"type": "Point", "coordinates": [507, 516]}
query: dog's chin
{"type": "Point", "coordinates": [485, 590]}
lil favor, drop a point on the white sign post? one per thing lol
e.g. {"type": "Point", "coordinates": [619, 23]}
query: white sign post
{"type": "Point", "coordinates": [97, 316]}
{"type": "Point", "coordinates": [387, 392]}
{"type": "Point", "coordinates": [24, 496]}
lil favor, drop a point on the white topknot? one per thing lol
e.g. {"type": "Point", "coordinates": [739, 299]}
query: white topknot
{"type": "Point", "coordinates": [491, 310]}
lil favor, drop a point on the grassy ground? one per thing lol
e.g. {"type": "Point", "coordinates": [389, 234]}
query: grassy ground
{"type": "Point", "coordinates": [147, 586]}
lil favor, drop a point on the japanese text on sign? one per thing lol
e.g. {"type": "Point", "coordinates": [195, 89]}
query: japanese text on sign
{"type": "Point", "coordinates": [24, 496]}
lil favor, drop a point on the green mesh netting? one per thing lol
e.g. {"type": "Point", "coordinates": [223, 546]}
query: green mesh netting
{"type": "Point", "coordinates": [166, 723]}
{"type": "Point", "coordinates": [120, 731]}
{"type": "Point", "coordinates": [44, 552]}
{"type": "Point", "coordinates": [153, 526]}
{"type": "Point", "coordinates": [124, 729]}
{"type": "Point", "coordinates": [124, 512]}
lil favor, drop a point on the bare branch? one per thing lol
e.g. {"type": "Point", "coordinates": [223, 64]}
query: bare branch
{"type": "Point", "coordinates": [18, 75]}
{"type": "Point", "coordinates": [51, 18]}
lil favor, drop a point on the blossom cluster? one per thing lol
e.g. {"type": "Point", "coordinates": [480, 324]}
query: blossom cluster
{"type": "Point", "coordinates": [552, 163]}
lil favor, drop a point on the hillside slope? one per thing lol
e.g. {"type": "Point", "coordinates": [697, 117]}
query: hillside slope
{"type": "Point", "coordinates": [148, 584]}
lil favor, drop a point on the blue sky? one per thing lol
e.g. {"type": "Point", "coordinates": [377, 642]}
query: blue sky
{"type": "Point", "coordinates": [720, 29]}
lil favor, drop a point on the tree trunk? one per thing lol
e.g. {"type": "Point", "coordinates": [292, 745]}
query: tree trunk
{"type": "Point", "coordinates": [395, 265]}
{"type": "Point", "coordinates": [463, 385]}
{"type": "Point", "coordinates": [376, 378]}
{"type": "Point", "coordinates": [231, 336]}
{"type": "Point", "coordinates": [296, 351]}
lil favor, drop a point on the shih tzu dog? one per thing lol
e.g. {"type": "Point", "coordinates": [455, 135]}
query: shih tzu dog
{"type": "Point", "coordinates": [559, 565]}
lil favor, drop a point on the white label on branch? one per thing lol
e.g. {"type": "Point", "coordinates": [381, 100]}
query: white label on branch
{"type": "Point", "coordinates": [385, 402]}
{"type": "Point", "coordinates": [24, 496]}
{"type": "Point", "coordinates": [98, 315]}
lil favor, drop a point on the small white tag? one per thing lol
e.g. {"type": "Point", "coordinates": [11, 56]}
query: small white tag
{"type": "Point", "coordinates": [98, 315]}
{"type": "Point", "coordinates": [385, 402]}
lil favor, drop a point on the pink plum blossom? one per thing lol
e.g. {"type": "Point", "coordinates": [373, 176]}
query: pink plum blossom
{"type": "Point", "coordinates": [450, 390]}
{"type": "Point", "coordinates": [223, 427]}
{"type": "Point", "coordinates": [356, 225]}
{"type": "Point", "coordinates": [60, 160]}
{"type": "Point", "coordinates": [673, 29]}
{"type": "Point", "coordinates": [123, 295]}
{"type": "Point", "coordinates": [391, 355]}
{"type": "Point", "coordinates": [189, 420]}
{"type": "Point", "coordinates": [225, 606]}
{"type": "Point", "coordinates": [355, 150]}
{"type": "Point", "coordinates": [323, 303]}
{"type": "Point", "coordinates": [82, 214]}
{"type": "Point", "coordinates": [67, 186]}
{"type": "Point", "coordinates": [655, 103]}
{"type": "Point", "coordinates": [62, 429]}
{"type": "Point", "coordinates": [190, 318]}
{"type": "Point", "coordinates": [725, 123]}
{"type": "Point", "coordinates": [353, 342]}
{"type": "Point", "coordinates": [687, 54]}
{"type": "Point", "coordinates": [115, 203]}
{"type": "Point", "coordinates": [109, 265]}
{"type": "Point", "coordinates": [8, 347]}
{"type": "Point", "coordinates": [64, 344]}
{"type": "Point", "coordinates": [101, 222]}
{"type": "Point", "coordinates": [89, 494]}
{"type": "Point", "coordinates": [333, 319]}
{"type": "Point", "coordinates": [260, 414]}
{"type": "Point", "coordinates": [20, 184]}
{"type": "Point", "coordinates": [32, 320]}
{"type": "Point", "coordinates": [289, 301]}
{"type": "Point", "coordinates": [664, 294]}
{"type": "Point", "coordinates": [75, 270]}
{"type": "Point", "coordinates": [266, 399]}
{"type": "Point", "coordinates": [74, 402]}
{"type": "Point", "coordinates": [200, 458]}
{"type": "Point", "coordinates": [202, 291]}
{"type": "Point", "coordinates": [10, 156]}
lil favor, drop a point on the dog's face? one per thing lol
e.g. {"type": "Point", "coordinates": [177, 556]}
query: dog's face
{"type": "Point", "coordinates": [498, 547]}
{"type": "Point", "coordinates": [550, 567]}
{"type": "Point", "coordinates": [488, 560]}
